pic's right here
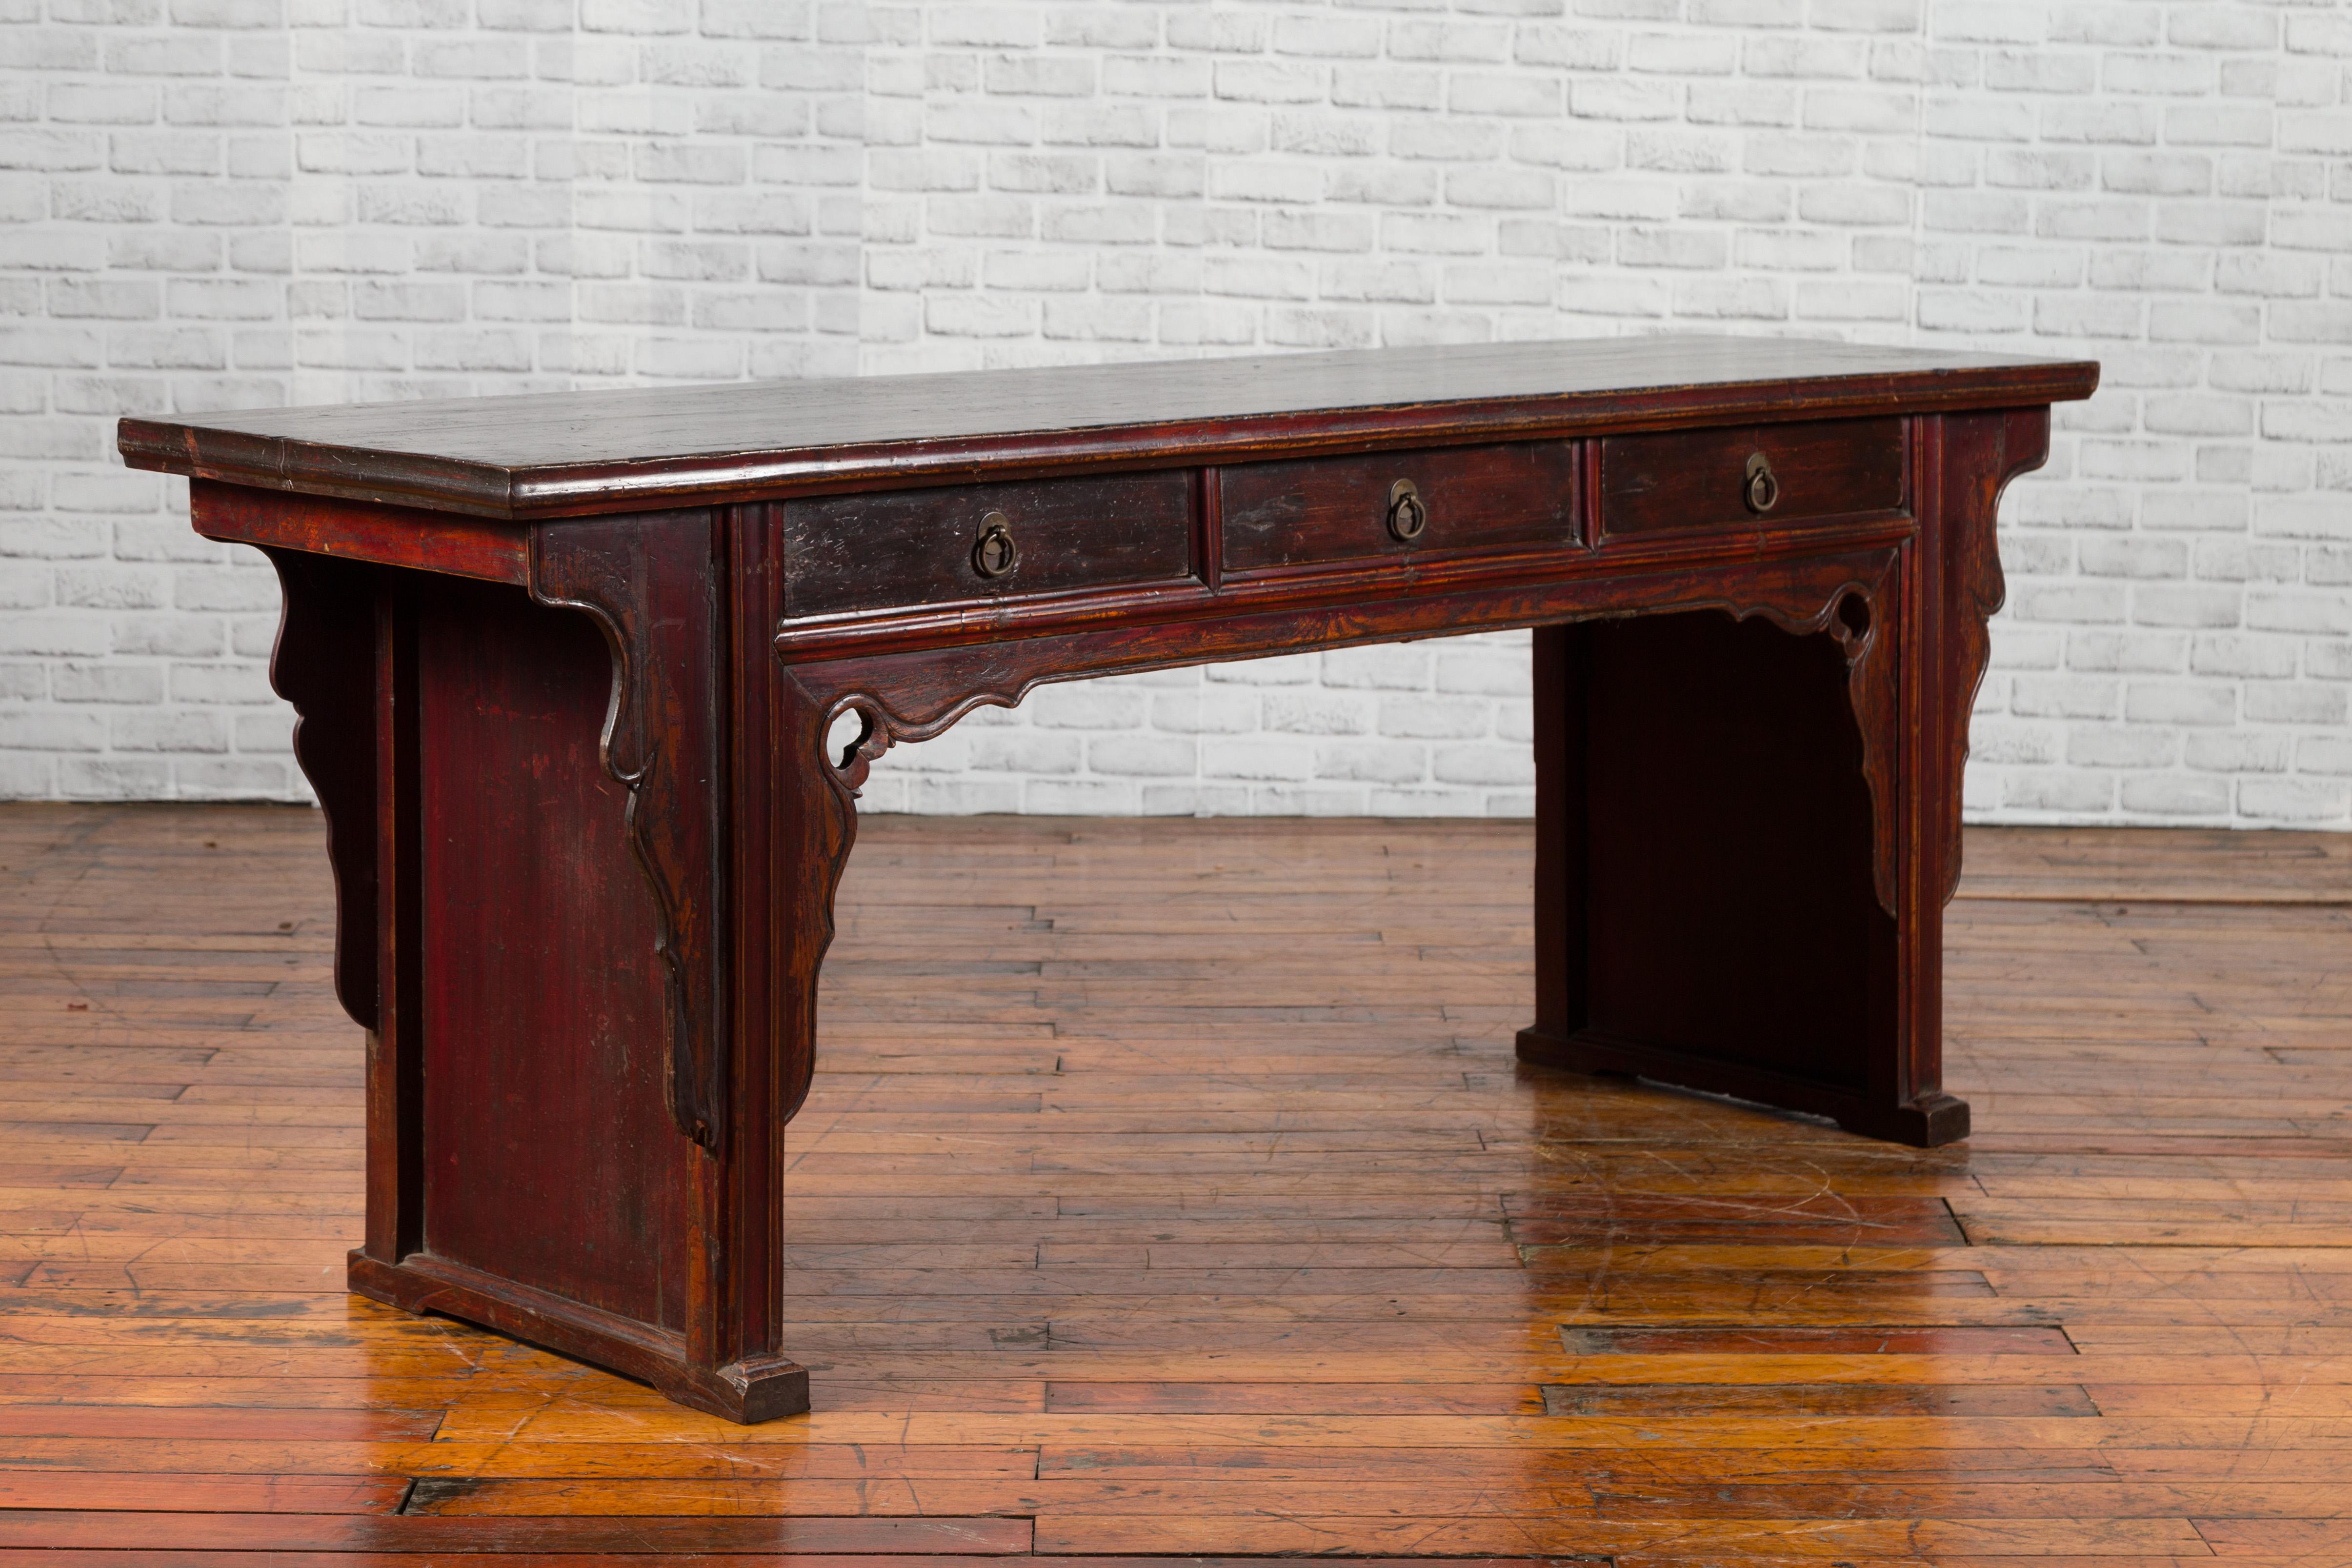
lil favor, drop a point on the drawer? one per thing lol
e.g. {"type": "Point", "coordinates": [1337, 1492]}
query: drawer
{"type": "Point", "coordinates": [1759, 476]}
{"type": "Point", "coordinates": [925, 547]}
{"type": "Point", "coordinates": [1339, 508]}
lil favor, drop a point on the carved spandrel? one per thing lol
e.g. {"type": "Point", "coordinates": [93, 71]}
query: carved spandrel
{"type": "Point", "coordinates": [1981, 454]}
{"type": "Point", "coordinates": [816, 825]}
{"type": "Point", "coordinates": [324, 663]}
{"type": "Point", "coordinates": [1857, 616]}
{"type": "Point", "coordinates": [650, 583]}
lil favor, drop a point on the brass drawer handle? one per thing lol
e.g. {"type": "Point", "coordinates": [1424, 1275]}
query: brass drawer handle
{"type": "Point", "coordinates": [1763, 488]}
{"type": "Point", "coordinates": [1408, 514]}
{"type": "Point", "coordinates": [993, 554]}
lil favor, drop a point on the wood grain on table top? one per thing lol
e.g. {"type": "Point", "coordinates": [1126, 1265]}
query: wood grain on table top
{"type": "Point", "coordinates": [549, 454]}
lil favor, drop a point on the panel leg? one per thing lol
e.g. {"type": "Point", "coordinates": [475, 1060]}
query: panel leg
{"type": "Point", "coordinates": [396, 1047]}
{"type": "Point", "coordinates": [1706, 906]}
{"type": "Point", "coordinates": [556, 861]}
{"type": "Point", "coordinates": [1560, 907]}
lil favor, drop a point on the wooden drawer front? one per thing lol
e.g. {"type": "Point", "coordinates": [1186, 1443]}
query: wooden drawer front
{"type": "Point", "coordinates": [1336, 509]}
{"type": "Point", "coordinates": [916, 547]}
{"type": "Point", "coordinates": [1699, 479]}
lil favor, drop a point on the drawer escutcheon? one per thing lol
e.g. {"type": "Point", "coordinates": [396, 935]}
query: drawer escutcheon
{"type": "Point", "coordinates": [1408, 514]}
{"type": "Point", "coordinates": [1763, 489]}
{"type": "Point", "coordinates": [995, 554]}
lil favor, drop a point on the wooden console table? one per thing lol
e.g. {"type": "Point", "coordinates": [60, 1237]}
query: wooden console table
{"type": "Point", "coordinates": [567, 665]}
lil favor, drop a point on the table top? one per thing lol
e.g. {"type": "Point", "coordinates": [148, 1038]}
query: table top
{"type": "Point", "coordinates": [573, 452]}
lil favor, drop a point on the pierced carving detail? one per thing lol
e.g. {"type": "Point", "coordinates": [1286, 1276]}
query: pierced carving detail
{"type": "Point", "coordinates": [862, 751]}
{"type": "Point", "coordinates": [662, 744]}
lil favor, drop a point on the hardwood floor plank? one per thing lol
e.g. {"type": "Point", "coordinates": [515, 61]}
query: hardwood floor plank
{"type": "Point", "coordinates": [1817, 1539]}
{"type": "Point", "coordinates": [216, 1422]}
{"type": "Point", "coordinates": [1559, 1495]}
{"type": "Point", "coordinates": [275, 1532]}
{"type": "Point", "coordinates": [71, 1490]}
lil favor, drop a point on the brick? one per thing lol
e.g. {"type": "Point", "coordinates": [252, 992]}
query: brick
{"type": "Point", "coordinates": [1429, 801]}
{"type": "Point", "coordinates": [2325, 755]}
{"type": "Point", "coordinates": [1257, 758]}
{"type": "Point", "coordinates": [1433, 717]}
{"type": "Point", "coordinates": [1994, 740]}
{"type": "Point", "coordinates": [1004, 27]}
{"type": "Point", "coordinates": [1461, 41]}
{"type": "Point", "coordinates": [1155, 77]}
{"type": "Point", "coordinates": [2176, 795]}
{"type": "Point", "coordinates": [51, 730]}
{"type": "Point", "coordinates": [2297, 702]}
{"type": "Point", "coordinates": [1387, 87]}
{"type": "Point", "coordinates": [1308, 712]}
{"type": "Point", "coordinates": [177, 729]}
{"type": "Point", "coordinates": [1490, 765]}
{"type": "Point", "coordinates": [1104, 28]}
{"type": "Point", "coordinates": [2296, 801]}
{"type": "Point", "coordinates": [1205, 710]}
{"type": "Point", "coordinates": [1148, 756]}
{"type": "Point", "coordinates": [83, 681]}
{"type": "Point", "coordinates": [1297, 327]}
{"type": "Point", "coordinates": [2121, 746]}
{"type": "Point", "coordinates": [2318, 614]}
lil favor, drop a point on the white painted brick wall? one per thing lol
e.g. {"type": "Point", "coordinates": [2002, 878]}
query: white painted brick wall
{"type": "Point", "coordinates": [215, 203]}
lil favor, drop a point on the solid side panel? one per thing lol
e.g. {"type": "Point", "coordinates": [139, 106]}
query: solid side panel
{"type": "Point", "coordinates": [551, 1157]}
{"type": "Point", "coordinates": [1732, 911]}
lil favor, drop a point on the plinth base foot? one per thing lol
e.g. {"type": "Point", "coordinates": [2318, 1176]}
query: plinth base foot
{"type": "Point", "coordinates": [1925, 1122]}
{"type": "Point", "coordinates": [751, 1390]}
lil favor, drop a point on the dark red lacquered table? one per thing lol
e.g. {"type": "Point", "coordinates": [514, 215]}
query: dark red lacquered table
{"type": "Point", "coordinates": [566, 668]}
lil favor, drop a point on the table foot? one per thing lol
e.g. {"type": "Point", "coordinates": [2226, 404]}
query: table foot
{"type": "Point", "coordinates": [1925, 1122]}
{"type": "Point", "coordinates": [747, 1391]}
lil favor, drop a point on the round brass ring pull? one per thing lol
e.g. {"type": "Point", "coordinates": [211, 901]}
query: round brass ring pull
{"type": "Point", "coordinates": [993, 554]}
{"type": "Point", "coordinates": [1763, 489]}
{"type": "Point", "coordinates": [1408, 514]}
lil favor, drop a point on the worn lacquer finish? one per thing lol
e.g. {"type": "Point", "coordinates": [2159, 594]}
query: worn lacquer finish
{"type": "Point", "coordinates": [588, 685]}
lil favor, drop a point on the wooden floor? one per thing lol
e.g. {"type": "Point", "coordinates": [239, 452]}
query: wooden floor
{"type": "Point", "coordinates": [1169, 1188]}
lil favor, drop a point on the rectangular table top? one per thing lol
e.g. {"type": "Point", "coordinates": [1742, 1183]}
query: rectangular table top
{"type": "Point", "coordinates": [556, 454]}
